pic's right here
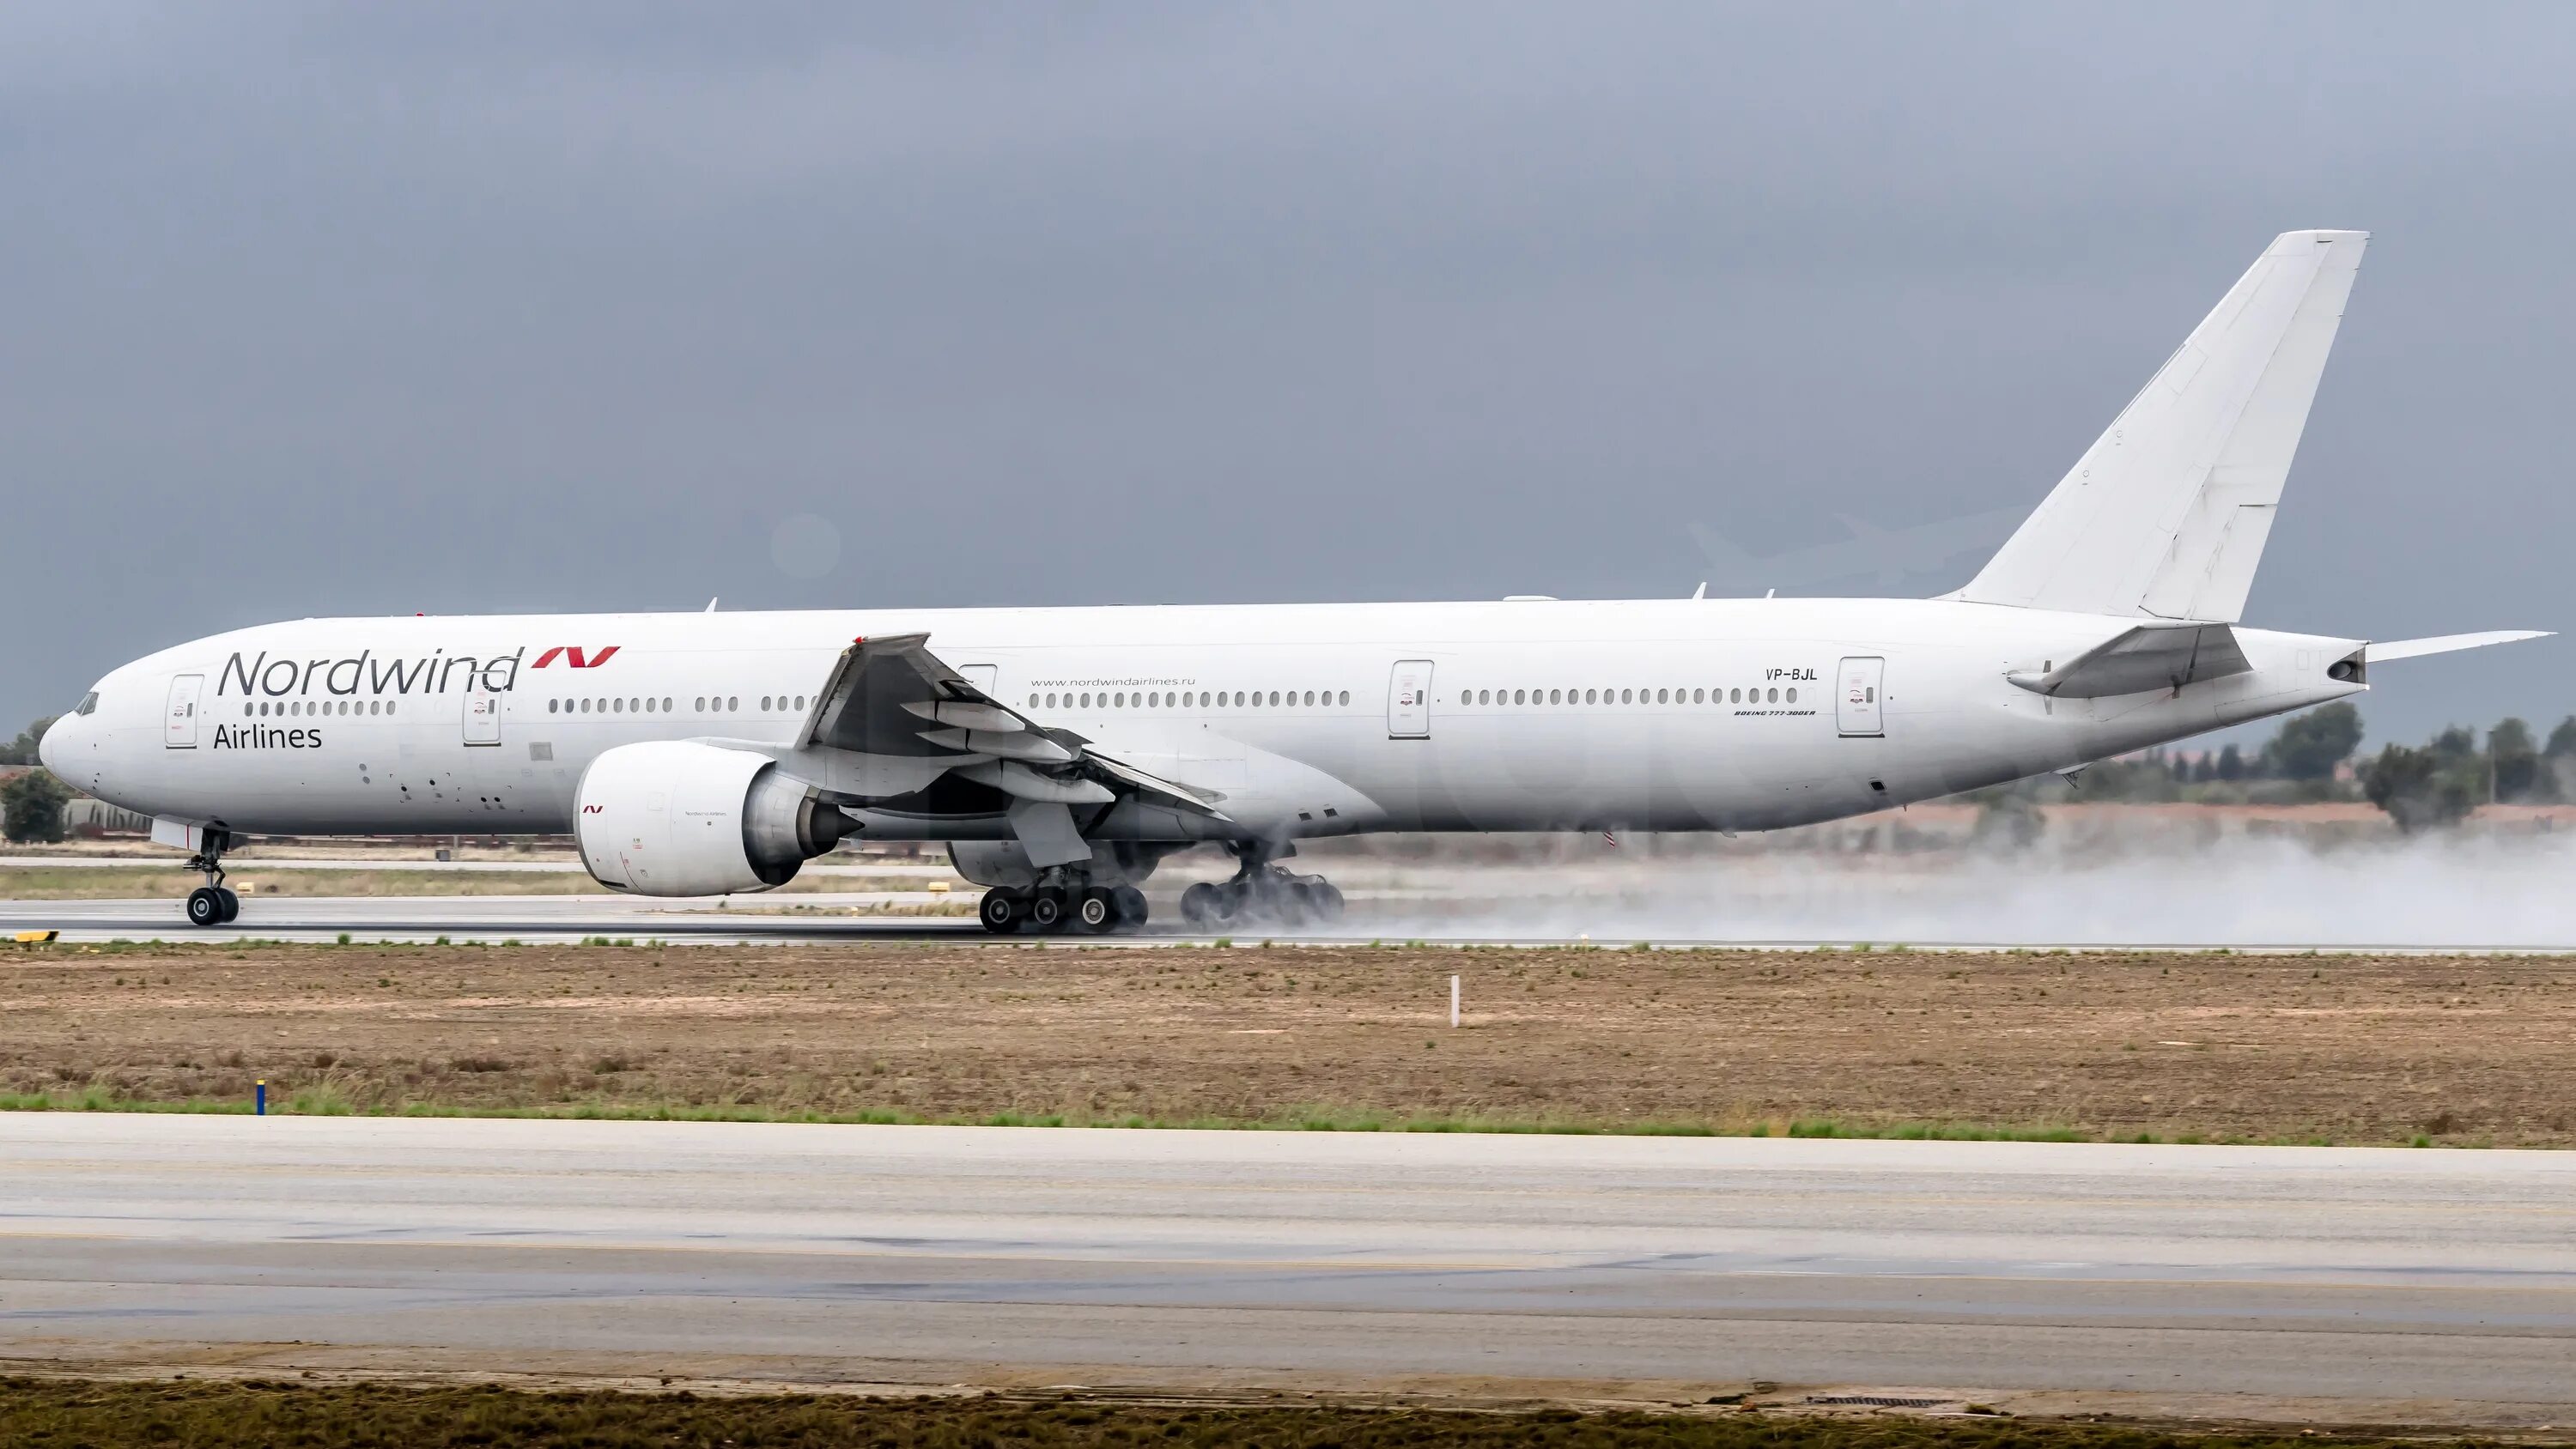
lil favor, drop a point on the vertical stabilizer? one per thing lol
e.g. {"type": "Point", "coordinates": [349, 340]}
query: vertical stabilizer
{"type": "Point", "coordinates": [2166, 514]}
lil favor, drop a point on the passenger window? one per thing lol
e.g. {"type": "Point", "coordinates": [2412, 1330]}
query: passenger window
{"type": "Point", "coordinates": [1662, 698]}
{"type": "Point", "coordinates": [1346, 696]}
{"type": "Point", "coordinates": [1520, 696]}
{"type": "Point", "coordinates": [1699, 696]}
{"type": "Point", "coordinates": [1775, 697]}
{"type": "Point", "coordinates": [1793, 696]}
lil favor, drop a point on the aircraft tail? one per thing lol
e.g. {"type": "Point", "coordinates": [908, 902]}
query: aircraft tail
{"type": "Point", "coordinates": [2166, 514]}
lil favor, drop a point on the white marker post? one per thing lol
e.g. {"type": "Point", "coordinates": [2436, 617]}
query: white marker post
{"type": "Point", "coordinates": [1453, 1002]}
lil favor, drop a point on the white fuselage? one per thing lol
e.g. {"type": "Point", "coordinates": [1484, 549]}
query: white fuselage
{"type": "Point", "coordinates": [1716, 714]}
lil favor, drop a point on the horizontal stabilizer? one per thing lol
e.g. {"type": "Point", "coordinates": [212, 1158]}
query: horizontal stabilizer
{"type": "Point", "coordinates": [2448, 644]}
{"type": "Point", "coordinates": [2150, 656]}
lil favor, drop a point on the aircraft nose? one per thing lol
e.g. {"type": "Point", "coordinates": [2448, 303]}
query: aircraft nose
{"type": "Point", "coordinates": [55, 743]}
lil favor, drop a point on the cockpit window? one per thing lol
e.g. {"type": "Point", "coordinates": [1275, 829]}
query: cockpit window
{"type": "Point", "coordinates": [88, 704]}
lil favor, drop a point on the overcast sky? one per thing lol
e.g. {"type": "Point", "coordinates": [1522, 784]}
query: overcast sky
{"type": "Point", "coordinates": [365, 309]}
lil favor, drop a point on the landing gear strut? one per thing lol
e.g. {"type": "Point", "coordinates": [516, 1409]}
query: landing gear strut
{"type": "Point", "coordinates": [212, 904]}
{"type": "Point", "coordinates": [1262, 893]}
{"type": "Point", "coordinates": [1068, 906]}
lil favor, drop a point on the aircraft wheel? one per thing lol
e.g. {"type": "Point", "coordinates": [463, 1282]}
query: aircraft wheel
{"type": "Point", "coordinates": [1001, 911]}
{"type": "Point", "coordinates": [1323, 899]}
{"type": "Point", "coordinates": [232, 905]}
{"type": "Point", "coordinates": [1046, 910]}
{"type": "Point", "coordinates": [1132, 909]}
{"type": "Point", "coordinates": [205, 908]}
{"type": "Point", "coordinates": [1095, 911]}
{"type": "Point", "coordinates": [1204, 905]}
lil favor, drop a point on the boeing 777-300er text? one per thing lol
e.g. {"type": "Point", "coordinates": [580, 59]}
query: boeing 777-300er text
{"type": "Point", "coordinates": [1062, 753]}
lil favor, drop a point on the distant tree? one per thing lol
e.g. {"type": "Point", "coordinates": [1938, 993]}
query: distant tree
{"type": "Point", "coordinates": [2513, 762]}
{"type": "Point", "coordinates": [2558, 761]}
{"type": "Point", "coordinates": [2231, 763]}
{"type": "Point", "coordinates": [2421, 789]}
{"type": "Point", "coordinates": [2204, 769]}
{"type": "Point", "coordinates": [22, 750]}
{"type": "Point", "coordinates": [31, 807]}
{"type": "Point", "coordinates": [2455, 743]}
{"type": "Point", "coordinates": [2562, 740]}
{"type": "Point", "coordinates": [2309, 746]}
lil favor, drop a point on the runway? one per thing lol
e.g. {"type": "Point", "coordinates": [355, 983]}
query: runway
{"type": "Point", "coordinates": [2391, 1285]}
{"type": "Point", "coordinates": [823, 917]}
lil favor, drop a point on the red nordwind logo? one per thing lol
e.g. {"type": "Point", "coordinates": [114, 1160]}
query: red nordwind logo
{"type": "Point", "coordinates": [571, 654]}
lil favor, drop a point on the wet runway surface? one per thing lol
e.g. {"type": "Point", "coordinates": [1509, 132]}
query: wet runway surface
{"type": "Point", "coordinates": [937, 1255]}
{"type": "Point", "coordinates": [819, 917]}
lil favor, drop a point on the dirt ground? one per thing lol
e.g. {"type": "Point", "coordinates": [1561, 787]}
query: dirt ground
{"type": "Point", "coordinates": [2353, 1049]}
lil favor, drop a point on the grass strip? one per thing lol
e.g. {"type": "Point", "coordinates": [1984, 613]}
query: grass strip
{"type": "Point", "coordinates": [61, 1413]}
{"type": "Point", "coordinates": [322, 1101]}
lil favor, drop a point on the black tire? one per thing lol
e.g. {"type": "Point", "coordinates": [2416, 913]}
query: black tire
{"type": "Point", "coordinates": [1046, 911]}
{"type": "Point", "coordinates": [1001, 911]}
{"type": "Point", "coordinates": [1202, 905]}
{"type": "Point", "coordinates": [1325, 899]}
{"type": "Point", "coordinates": [1132, 910]}
{"type": "Point", "coordinates": [1095, 911]}
{"type": "Point", "coordinates": [232, 905]}
{"type": "Point", "coordinates": [205, 908]}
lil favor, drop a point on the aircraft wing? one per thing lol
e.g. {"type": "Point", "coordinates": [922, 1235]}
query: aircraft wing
{"type": "Point", "coordinates": [2151, 656]}
{"type": "Point", "coordinates": [893, 697]}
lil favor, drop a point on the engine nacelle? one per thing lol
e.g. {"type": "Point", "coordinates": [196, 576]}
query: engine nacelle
{"type": "Point", "coordinates": [671, 818]}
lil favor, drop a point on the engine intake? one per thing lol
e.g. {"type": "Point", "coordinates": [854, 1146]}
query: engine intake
{"type": "Point", "coordinates": [671, 818]}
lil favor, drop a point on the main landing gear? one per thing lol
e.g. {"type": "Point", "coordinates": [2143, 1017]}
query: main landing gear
{"type": "Point", "coordinates": [212, 904]}
{"type": "Point", "coordinates": [1260, 894]}
{"type": "Point", "coordinates": [1091, 910]}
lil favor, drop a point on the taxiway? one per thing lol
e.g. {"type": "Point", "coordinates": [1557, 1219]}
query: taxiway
{"type": "Point", "coordinates": [2405, 1285]}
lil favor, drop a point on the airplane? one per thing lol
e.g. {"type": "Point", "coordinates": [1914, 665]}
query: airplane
{"type": "Point", "coordinates": [1062, 753]}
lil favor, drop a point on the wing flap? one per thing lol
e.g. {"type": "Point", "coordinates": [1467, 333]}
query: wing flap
{"type": "Point", "coordinates": [891, 699]}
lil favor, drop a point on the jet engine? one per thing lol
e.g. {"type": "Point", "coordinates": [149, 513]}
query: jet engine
{"type": "Point", "coordinates": [671, 818]}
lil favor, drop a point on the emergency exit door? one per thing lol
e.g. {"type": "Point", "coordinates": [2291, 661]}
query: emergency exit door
{"type": "Point", "coordinates": [482, 717]}
{"type": "Point", "coordinates": [179, 726]}
{"type": "Point", "coordinates": [1858, 685]}
{"type": "Point", "coordinates": [1408, 700]}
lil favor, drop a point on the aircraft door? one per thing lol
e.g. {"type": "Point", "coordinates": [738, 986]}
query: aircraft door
{"type": "Point", "coordinates": [482, 717]}
{"type": "Point", "coordinates": [986, 677]}
{"type": "Point", "coordinates": [1408, 700]}
{"type": "Point", "coordinates": [1858, 684]}
{"type": "Point", "coordinates": [179, 726]}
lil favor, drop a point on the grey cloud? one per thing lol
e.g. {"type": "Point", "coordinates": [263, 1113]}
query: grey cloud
{"type": "Point", "coordinates": [319, 309]}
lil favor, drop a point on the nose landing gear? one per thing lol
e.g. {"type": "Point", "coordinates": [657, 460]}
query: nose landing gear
{"type": "Point", "coordinates": [212, 904]}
